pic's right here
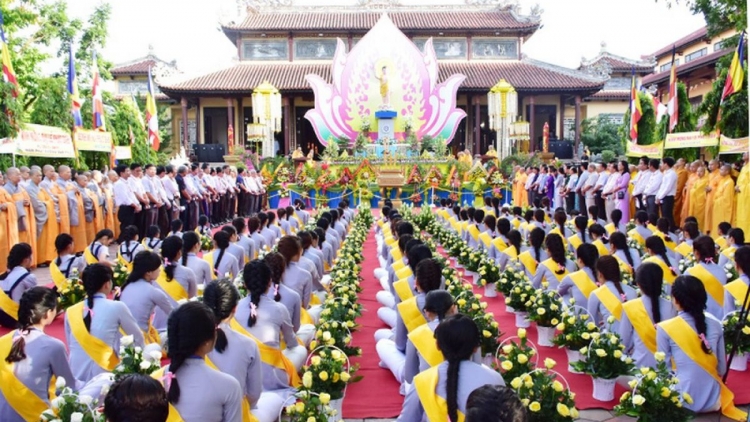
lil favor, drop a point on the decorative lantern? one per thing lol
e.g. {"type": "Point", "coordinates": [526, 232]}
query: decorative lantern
{"type": "Point", "coordinates": [502, 101]}
{"type": "Point", "coordinates": [267, 112]}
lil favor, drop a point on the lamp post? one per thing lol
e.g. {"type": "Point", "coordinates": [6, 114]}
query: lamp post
{"type": "Point", "coordinates": [502, 101]}
{"type": "Point", "coordinates": [255, 134]}
{"type": "Point", "coordinates": [267, 112]}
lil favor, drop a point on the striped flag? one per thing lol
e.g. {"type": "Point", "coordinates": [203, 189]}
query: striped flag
{"type": "Point", "coordinates": [75, 98]}
{"type": "Point", "coordinates": [9, 75]}
{"type": "Point", "coordinates": [672, 106]}
{"type": "Point", "coordinates": [152, 118]}
{"type": "Point", "coordinates": [96, 93]}
{"type": "Point", "coordinates": [736, 70]}
{"type": "Point", "coordinates": [635, 109]}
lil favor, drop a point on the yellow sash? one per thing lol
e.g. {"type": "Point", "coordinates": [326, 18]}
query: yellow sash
{"type": "Point", "coordinates": [499, 244]}
{"type": "Point", "coordinates": [610, 301]}
{"type": "Point", "coordinates": [624, 265]}
{"type": "Point", "coordinates": [529, 262]}
{"type": "Point", "coordinates": [304, 317]}
{"type": "Point", "coordinates": [575, 241]}
{"type": "Point", "coordinates": [151, 335]}
{"type": "Point", "coordinates": [721, 242]}
{"type": "Point", "coordinates": [403, 273]}
{"type": "Point", "coordinates": [403, 289]}
{"type": "Point", "coordinates": [173, 288]}
{"type": "Point", "coordinates": [247, 415]}
{"type": "Point", "coordinates": [511, 252]}
{"type": "Point", "coordinates": [396, 254]}
{"type": "Point", "coordinates": [687, 339]}
{"type": "Point", "coordinates": [633, 234]}
{"type": "Point", "coordinates": [209, 257]}
{"type": "Point", "coordinates": [557, 231]}
{"type": "Point", "coordinates": [668, 276]}
{"type": "Point", "coordinates": [652, 228]}
{"type": "Point", "coordinates": [683, 249]}
{"type": "Point", "coordinates": [737, 289]}
{"type": "Point", "coordinates": [729, 252]}
{"type": "Point", "coordinates": [639, 319]}
{"type": "Point", "coordinates": [8, 306]}
{"type": "Point", "coordinates": [410, 314]}
{"type": "Point", "coordinates": [27, 404]}
{"type": "Point", "coordinates": [474, 232]}
{"type": "Point", "coordinates": [516, 223]}
{"type": "Point", "coordinates": [57, 275]}
{"type": "Point", "coordinates": [128, 265]}
{"type": "Point", "coordinates": [610, 228]}
{"type": "Point", "coordinates": [100, 352]}
{"type": "Point", "coordinates": [397, 265]}
{"type": "Point", "coordinates": [435, 407]}
{"type": "Point", "coordinates": [486, 239]}
{"type": "Point", "coordinates": [553, 267]}
{"type": "Point", "coordinates": [603, 251]}
{"type": "Point", "coordinates": [423, 339]}
{"type": "Point", "coordinates": [89, 256]}
{"type": "Point", "coordinates": [271, 355]}
{"type": "Point", "coordinates": [668, 243]}
{"type": "Point", "coordinates": [712, 284]}
{"type": "Point", "coordinates": [583, 282]}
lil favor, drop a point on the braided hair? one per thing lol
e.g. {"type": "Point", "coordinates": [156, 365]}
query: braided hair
{"type": "Point", "coordinates": [457, 338]}
{"type": "Point", "coordinates": [600, 232]}
{"type": "Point", "coordinates": [582, 223]}
{"type": "Point", "coordinates": [429, 275]}
{"type": "Point", "coordinates": [188, 328]}
{"type": "Point", "coordinates": [662, 225]}
{"type": "Point", "coordinates": [620, 242]}
{"type": "Point", "coordinates": [32, 308]}
{"type": "Point", "coordinates": [556, 249]}
{"type": "Point", "coordinates": [18, 253]}
{"type": "Point", "coordinates": [221, 297]}
{"type": "Point", "coordinates": [62, 242]}
{"type": "Point", "coordinates": [170, 251]}
{"type": "Point", "coordinates": [588, 254]}
{"type": "Point", "coordinates": [189, 240]}
{"type": "Point", "coordinates": [144, 262]}
{"type": "Point", "coordinates": [438, 302]}
{"type": "Point", "coordinates": [656, 244]}
{"type": "Point", "coordinates": [221, 239]}
{"type": "Point", "coordinates": [560, 219]}
{"type": "Point", "coordinates": [94, 278]}
{"type": "Point", "coordinates": [514, 238]}
{"type": "Point", "coordinates": [277, 264]}
{"type": "Point", "coordinates": [650, 278]}
{"type": "Point", "coordinates": [704, 248]}
{"type": "Point", "coordinates": [609, 268]}
{"type": "Point", "coordinates": [616, 217]}
{"type": "Point", "coordinates": [257, 279]}
{"type": "Point", "coordinates": [688, 291]}
{"type": "Point", "coordinates": [536, 238]}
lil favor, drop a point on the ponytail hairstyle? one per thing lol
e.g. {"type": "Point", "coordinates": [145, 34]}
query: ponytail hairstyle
{"type": "Point", "coordinates": [556, 249]}
{"type": "Point", "coordinates": [539, 216]}
{"type": "Point", "coordinates": [171, 249]}
{"type": "Point", "coordinates": [742, 258]}
{"type": "Point", "coordinates": [561, 219]}
{"type": "Point", "coordinates": [18, 253]}
{"type": "Point", "coordinates": [32, 308]}
{"type": "Point", "coordinates": [104, 233]}
{"type": "Point", "coordinates": [609, 268]}
{"type": "Point", "coordinates": [289, 247]}
{"type": "Point", "coordinates": [277, 264]}
{"type": "Point", "coordinates": [136, 398]}
{"type": "Point", "coordinates": [528, 215]}
{"type": "Point", "coordinates": [650, 278]}
{"type": "Point", "coordinates": [189, 240]}
{"type": "Point", "coordinates": [457, 338]}
{"type": "Point", "coordinates": [620, 242]}
{"type": "Point", "coordinates": [429, 275]}
{"type": "Point", "coordinates": [257, 278]}
{"type": "Point", "coordinates": [503, 226]}
{"type": "Point", "coordinates": [417, 254]}
{"type": "Point", "coordinates": [496, 205]}
{"type": "Point", "coordinates": [598, 230]}
{"type": "Point", "coordinates": [144, 262]}
{"type": "Point", "coordinates": [616, 217]}
{"type": "Point", "coordinates": [514, 238]}
{"type": "Point", "coordinates": [641, 218]}
{"type": "Point", "coordinates": [221, 297]}
{"type": "Point", "coordinates": [691, 229]}
{"type": "Point", "coordinates": [62, 242]}
{"type": "Point", "coordinates": [189, 327]}
{"type": "Point", "coordinates": [129, 234]}
{"type": "Point", "coordinates": [662, 225]}
{"type": "Point", "coordinates": [153, 232]}
{"type": "Point", "coordinates": [704, 247]}
{"type": "Point", "coordinates": [175, 226]}
{"type": "Point", "coordinates": [221, 239]}
{"type": "Point", "coordinates": [582, 223]}
{"type": "Point", "coordinates": [536, 238]}
{"type": "Point", "coordinates": [589, 255]}
{"type": "Point", "coordinates": [656, 244]}
{"type": "Point", "coordinates": [438, 302]}
{"type": "Point", "coordinates": [94, 277]}
{"type": "Point", "coordinates": [688, 291]}
{"type": "Point", "coordinates": [478, 216]}
{"type": "Point", "coordinates": [490, 222]}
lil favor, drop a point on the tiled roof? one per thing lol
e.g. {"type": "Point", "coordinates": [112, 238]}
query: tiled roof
{"type": "Point", "coordinates": [524, 75]}
{"type": "Point", "coordinates": [656, 78]}
{"type": "Point", "coordinates": [322, 19]}
{"type": "Point", "coordinates": [610, 95]}
{"type": "Point", "coordinates": [135, 68]}
{"type": "Point", "coordinates": [687, 39]}
{"type": "Point", "coordinates": [620, 64]}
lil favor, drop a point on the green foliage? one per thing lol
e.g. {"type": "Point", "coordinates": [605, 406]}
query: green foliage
{"type": "Point", "coordinates": [608, 155]}
{"type": "Point", "coordinates": [734, 110]}
{"type": "Point", "coordinates": [720, 15]}
{"type": "Point", "coordinates": [53, 109]}
{"type": "Point", "coordinates": [646, 125]}
{"type": "Point", "coordinates": [360, 144]}
{"type": "Point", "coordinates": [601, 134]}
{"type": "Point", "coordinates": [686, 119]}
{"type": "Point", "coordinates": [124, 119]}
{"type": "Point", "coordinates": [436, 146]}
{"type": "Point", "coordinates": [520, 159]}
{"type": "Point", "coordinates": [11, 109]}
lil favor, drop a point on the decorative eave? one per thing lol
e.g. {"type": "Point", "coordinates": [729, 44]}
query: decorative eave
{"type": "Point", "coordinates": [616, 63]}
{"type": "Point", "coordinates": [685, 68]}
{"type": "Point", "coordinates": [609, 95]}
{"type": "Point", "coordinates": [141, 65]}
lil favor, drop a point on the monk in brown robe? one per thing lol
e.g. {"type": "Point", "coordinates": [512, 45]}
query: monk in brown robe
{"type": "Point", "coordinates": [8, 225]}
{"type": "Point", "coordinates": [679, 198]}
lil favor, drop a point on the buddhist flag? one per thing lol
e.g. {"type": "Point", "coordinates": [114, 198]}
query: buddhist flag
{"type": "Point", "coordinates": [75, 98]}
{"type": "Point", "coordinates": [635, 109]}
{"type": "Point", "coordinates": [672, 106]}
{"type": "Point", "coordinates": [9, 75]}
{"type": "Point", "coordinates": [736, 70]}
{"type": "Point", "coordinates": [152, 118]}
{"type": "Point", "coordinates": [96, 93]}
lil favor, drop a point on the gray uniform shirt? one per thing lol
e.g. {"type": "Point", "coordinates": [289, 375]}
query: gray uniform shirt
{"type": "Point", "coordinates": [141, 297]}
{"type": "Point", "coordinates": [241, 360]}
{"type": "Point", "coordinates": [207, 395]}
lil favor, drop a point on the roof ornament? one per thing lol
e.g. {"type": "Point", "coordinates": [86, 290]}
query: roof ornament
{"type": "Point", "coordinates": [603, 46]}
{"type": "Point", "coordinates": [599, 69]}
{"type": "Point", "coordinates": [378, 4]}
{"type": "Point", "coordinates": [261, 4]}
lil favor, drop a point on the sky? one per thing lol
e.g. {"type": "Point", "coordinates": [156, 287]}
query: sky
{"type": "Point", "coordinates": [188, 31]}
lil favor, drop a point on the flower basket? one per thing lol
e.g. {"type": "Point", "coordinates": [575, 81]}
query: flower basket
{"type": "Point", "coordinates": [471, 276]}
{"type": "Point", "coordinates": [573, 356]}
{"type": "Point", "coordinates": [575, 329]}
{"type": "Point", "coordinates": [604, 389]}
{"type": "Point", "coordinates": [545, 336]}
{"type": "Point", "coordinates": [546, 310]}
{"type": "Point", "coordinates": [732, 327]}
{"type": "Point", "coordinates": [309, 406]}
{"type": "Point", "coordinates": [328, 370]}
{"type": "Point", "coordinates": [604, 361]}
{"type": "Point", "coordinates": [739, 363]}
{"type": "Point", "coordinates": [516, 358]}
{"type": "Point", "coordinates": [490, 290]}
{"type": "Point", "coordinates": [513, 275]}
{"type": "Point", "coordinates": [521, 297]}
{"type": "Point", "coordinates": [522, 320]}
{"type": "Point", "coordinates": [546, 397]}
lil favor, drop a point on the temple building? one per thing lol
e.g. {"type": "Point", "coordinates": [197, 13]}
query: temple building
{"type": "Point", "coordinates": [131, 78]}
{"type": "Point", "coordinates": [284, 42]}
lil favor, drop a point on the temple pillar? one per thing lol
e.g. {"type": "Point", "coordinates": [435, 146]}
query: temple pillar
{"type": "Point", "coordinates": [477, 126]}
{"type": "Point", "coordinates": [239, 127]}
{"type": "Point", "coordinates": [578, 123]}
{"type": "Point", "coordinates": [286, 121]}
{"type": "Point", "coordinates": [185, 135]}
{"type": "Point", "coordinates": [230, 124]}
{"type": "Point", "coordinates": [561, 122]}
{"type": "Point", "coordinates": [532, 132]}
{"type": "Point", "coordinates": [198, 123]}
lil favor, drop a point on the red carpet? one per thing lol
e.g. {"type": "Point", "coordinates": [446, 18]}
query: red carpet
{"type": "Point", "coordinates": [376, 396]}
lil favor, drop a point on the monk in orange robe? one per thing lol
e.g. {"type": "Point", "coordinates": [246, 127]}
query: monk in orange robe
{"type": "Point", "coordinates": [679, 198]}
{"type": "Point", "coordinates": [46, 221]}
{"type": "Point", "coordinates": [78, 221]}
{"type": "Point", "coordinates": [112, 222]}
{"type": "Point", "coordinates": [520, 197]}
{"type": "Point", "coordinates": [723, 209]}
{"type": "Point", "coordinates": [62, 210]}
{"type": "Point", "coordinates": [692, 169]}
{"type": "Point", "coordinates": [697, 203]}
{"type": "Point", "coordinates": [713, 182]}
{"type": "Point", "coordinates": [8, 225]}
{"type": "Point", "coordinates": [26, 220]}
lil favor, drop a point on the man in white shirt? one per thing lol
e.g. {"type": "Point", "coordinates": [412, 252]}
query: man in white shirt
{"type": "Point", "coordinates": [639, 184]}
{"type": "Point", "coordinates": [667, 191]}
{"type": "Point", "coordinates": [580, 184]}
{"type": "Point", "coordinates": [170, 187]}
{"type": "Point", "coordinates": [652, 187]}
{"type": "Point", "coordinates": [164, 213]}
{"type": "Point", "coordinates": [143, 217]}
{"type": "Point", "coordinates": [589, 188]}
{"type": "Point", "coordinates": [125, 201]}
{"type": "Point", "coordinates": [231, 195]}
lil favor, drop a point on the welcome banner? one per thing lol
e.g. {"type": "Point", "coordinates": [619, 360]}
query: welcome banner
{"type": "Point", "coordinates": [650, 151]}
{"type": "Point", "coordinates": [93, 140]}
{"type": "Point", "coordinates": [733, 146]}
{"type": "Point", "coordinates": [44, 141]}
{"type": "Point", "coordinates": [691, 140]}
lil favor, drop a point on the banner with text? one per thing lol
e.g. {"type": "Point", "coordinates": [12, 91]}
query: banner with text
{"type": "Point", "coordinates": [650, 151]}
{"type": "Point", "coordinates": [44, 141]}
{"type": "Point", "coordinates": [93, 140]}
{"type": "Point", "coordinates": [733, 146]}
{"type": "Point", "coordinates": [691, 140]}
{"type": "Point", "coordinates": [123, 153]}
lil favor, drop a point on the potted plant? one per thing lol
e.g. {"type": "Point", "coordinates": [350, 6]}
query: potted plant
{"type": "Point", "coordinates": [472, 261]}
{"type": "Point", "coordinates": [574, 333]}
{"type": "Point", "coordinates": [732, 327]}
{"type": "Point", "coordinates": [513, 275]}
{"type": "Point", "coordinates": [546, 398]}
{"type": "Point", "coordinates": [489, 274]}
{"type": "Point", "coordinates": [72, 291]}
{"type": "Point", "coordinates": [328, 371]}
{"type": "Point", "coordinates": [516, 358]}
{"type": "Point", "coordinates": [654, 397]}
{"type": "Point", "coordinates": [546, 311]}
{"type": "Point", "coordinates": [604, 360]}
{"type": "Point", "coordinates": [470, 304]}
{"type": "Point", "coordinates": [134, 360]}
{"type": "Point", "coordinates": [69, 406]}
{"type": "Point", "coordinates": [521, 298]}
{"type": "Point", "coordinates": [311, 407]}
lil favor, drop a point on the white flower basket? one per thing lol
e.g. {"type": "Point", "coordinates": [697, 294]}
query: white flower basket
{"type": "Point", "coordinates": [545, 336]}
{"type": "Point", "coordinates": [739, 363]}
{"type": "Point", "coordinates": [604, 389]}
{"type": "Point", "coordinates": [509, 309]}
{"type": "Point", "coordinates": [522, 320]}
{"type": "Point", "coordinates": [489, 290]}
{"type": "Point", "coordinates": [471, 276]}
{"type": "Point", "coordinates": [573, 356]}
{"type": "Point", "coordinates": [488, 360]}
{"type": "Point", "coordinates": [338, 406]}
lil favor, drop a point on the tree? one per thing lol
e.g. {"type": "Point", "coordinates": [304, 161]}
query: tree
{"type": "Point", "coordinates": [686, 122]}
{"type": "Point", "coordinates": [720, 15]}
{"type": "Point", "coordinates": [601, 134]}
{"type": "Point", "coordinates": [734, 110]}
{"type": "Point", "coordinates": [646, 125]}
